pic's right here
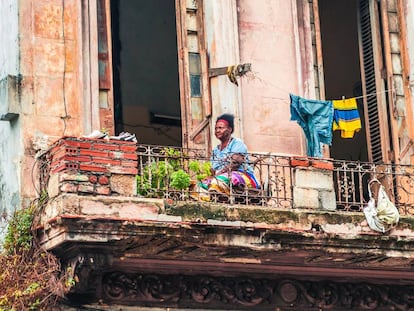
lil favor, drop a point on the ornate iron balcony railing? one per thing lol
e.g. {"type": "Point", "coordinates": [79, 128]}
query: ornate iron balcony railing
{"type": "Point", "coordinates": [156, 164]}
{"type": "Point", "coordinates": [276, 177]}
{"type": "Point", "coordinates": [351, 184]}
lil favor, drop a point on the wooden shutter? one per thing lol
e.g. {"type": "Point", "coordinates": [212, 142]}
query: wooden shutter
{"type": "Point", "coordinates": [103, 47]}
{"type": "Point", "coordinates": [193, 69]}
{"type": "Point", "coordinates": [372, 69]}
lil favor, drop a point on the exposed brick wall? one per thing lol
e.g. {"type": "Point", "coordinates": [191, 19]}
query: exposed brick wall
{"type": "Point", "coordinates": [92, 166]}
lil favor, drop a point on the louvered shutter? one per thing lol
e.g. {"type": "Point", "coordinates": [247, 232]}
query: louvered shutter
{"type": "Point", "coordinates": [375, 105]}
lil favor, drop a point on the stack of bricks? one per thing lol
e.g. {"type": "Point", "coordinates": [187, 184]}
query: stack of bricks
{"type": "Point", "coordinates": [92, 166]}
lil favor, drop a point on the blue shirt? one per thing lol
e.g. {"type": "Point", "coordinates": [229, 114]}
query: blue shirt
{"type": "Point", "coordinates": [316, 118]}
{"type": "Point", "coordinates": [219, 158]}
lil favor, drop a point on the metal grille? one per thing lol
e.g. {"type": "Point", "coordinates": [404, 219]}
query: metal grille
{"type": "Point", "coordinates": [274, 174]}
{"type": "Point", "coordinates": [351, 184]}
{"type": "Point", "coordinates": [158, 163]}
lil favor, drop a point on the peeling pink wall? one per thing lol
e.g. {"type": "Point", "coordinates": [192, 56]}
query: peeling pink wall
{"type": "Point", "coordinates": [267, 41]}
{"type": "Point", "coordinates": [50, 41]}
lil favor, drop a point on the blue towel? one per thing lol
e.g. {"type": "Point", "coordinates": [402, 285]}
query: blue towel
{"type": "Point", "coordinates": [315, 117]}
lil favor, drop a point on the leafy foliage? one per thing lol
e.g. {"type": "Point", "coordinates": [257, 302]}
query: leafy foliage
{"type": "Point", "coordinates": [29, 277]}
{"type": "Point", "coordinates": [19, 235]}
{"type": "Point", "coordinates": [169, 171]}
{"type": "Point", "coordinates": [180, 180]}
{"type": "Point", "coordinates": [201, 169]}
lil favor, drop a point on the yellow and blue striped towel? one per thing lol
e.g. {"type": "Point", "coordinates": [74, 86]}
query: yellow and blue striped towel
{"type": "Point", "coordinates": [346, 117]}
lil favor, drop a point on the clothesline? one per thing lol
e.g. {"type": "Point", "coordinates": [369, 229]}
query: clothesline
{"type": "Point", "coordinates": [372, 94]}
{"type": "Point", "coordinates": [254, 76]}
{"type": "Point", "coordinates": [357, 97]}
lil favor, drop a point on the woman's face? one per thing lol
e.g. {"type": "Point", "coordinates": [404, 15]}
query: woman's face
{"type": "Point", "coordinates": [222, 130]}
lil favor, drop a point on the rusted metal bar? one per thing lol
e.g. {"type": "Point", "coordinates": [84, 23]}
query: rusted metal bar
{"type": "Point", "coordinates": [237, 70]}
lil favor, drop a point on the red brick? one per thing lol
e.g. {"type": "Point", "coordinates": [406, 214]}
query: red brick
{"type": "Point", "coordinates": [58, 153]}
{"type": "Point", "coordinates": [86, 188]}
{"type": "Point", "coordinates": [128, 148]}
{"type": "Point", "coordinates": [130, 156]}
{"type": "Point", "coordinates": [71, 151]}
{"type": "Point", "coordinates": [55, 149]}
{"type": "Point", "coordinates": [77, 143]}
{"type": "Point", "coordinates": [65, 166]}
{"type": "Point", "coordinates": [103, 180]}
{"type": "Point", "coordinates": [93, 179]}
{"type": "Point", "coordinates": [129, 163]}
{"type": "Point", "coordinates": [123, 142]}
{"type": "Point", "coordinates": [101, 146]}
{"type": "Point", "coordinates": [69, 187]}
{"type": "Point", "coordinates": [323, 165]}
{"type": "Point", "coordinates": [94, 153]}
{"type": "Point", "coordinates": [103, 190]}
{"type": "Point", "coordinates": [123, 170]}
{"type": "Point", "coordinates": [92, 168]}
{"type": "Point", "coordinates": [299, 162]}
{"type": "Point", "coordinates": [107, 161]}
{"type": "Point", "coordinates": [78, 158]}
{"type": "Point", "coordinates": [55, 163]}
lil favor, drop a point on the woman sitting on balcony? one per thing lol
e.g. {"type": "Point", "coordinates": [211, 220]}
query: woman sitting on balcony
{"type": "Point", "coordinates": [229, 161]}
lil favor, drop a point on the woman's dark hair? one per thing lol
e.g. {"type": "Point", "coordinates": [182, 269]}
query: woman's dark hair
{"type": "Point", "coordinates": [229, 118]}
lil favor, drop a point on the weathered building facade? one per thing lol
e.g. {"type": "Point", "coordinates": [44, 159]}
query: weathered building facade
{"type": "Point", "coordinates": [165, 70]}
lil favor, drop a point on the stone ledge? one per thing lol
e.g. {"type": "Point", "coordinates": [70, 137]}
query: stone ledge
{"type": "Point", "coordinates": [126, 207]}
{"type": "Point", "coordinates": [348, 224]}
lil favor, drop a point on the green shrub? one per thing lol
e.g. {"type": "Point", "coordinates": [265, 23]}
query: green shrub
{"type": "Point", "coordinates": [19, 235]}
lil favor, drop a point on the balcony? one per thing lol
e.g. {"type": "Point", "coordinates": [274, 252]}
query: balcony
{"type": "Point", "coordinates": [131, 236]}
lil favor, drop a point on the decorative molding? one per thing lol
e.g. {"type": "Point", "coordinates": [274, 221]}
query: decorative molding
{"type": "Point", "coordinates": [204, 291]}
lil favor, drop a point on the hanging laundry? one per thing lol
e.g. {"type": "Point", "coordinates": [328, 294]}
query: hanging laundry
{"type": "Point", "coordinates": [346, 117]}
{"type": "Point", "coordinates": [316, 119]}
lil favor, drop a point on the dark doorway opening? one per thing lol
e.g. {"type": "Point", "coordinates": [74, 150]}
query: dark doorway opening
{"type": "Point", "coordinates": [341, 61]}
{"type": "Point", "coordinates": [145, 71]}
{"type": "Point", "coordinates": [342, 71]}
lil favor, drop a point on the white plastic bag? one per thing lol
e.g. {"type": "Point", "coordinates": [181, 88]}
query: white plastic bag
{"type": "Point", "coordinates": [384, 215]}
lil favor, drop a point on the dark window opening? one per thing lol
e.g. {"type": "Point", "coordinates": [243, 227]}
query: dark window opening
{"type": "Point", "coordinates": [145, 70]}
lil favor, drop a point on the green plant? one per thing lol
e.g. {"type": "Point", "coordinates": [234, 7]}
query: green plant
{"type": "Point", "coordinates": [168, 171]}
{"type": "Point", "coordinates": [30, 278]}
{"type": "Point", "coordinates": [180, 180]}
{"type": "Point", "coordinates": [19, 235]}
{"type": "Point", "coordinates": [156, 175]}
{"type": "Point", "coordinates": [201, 169]}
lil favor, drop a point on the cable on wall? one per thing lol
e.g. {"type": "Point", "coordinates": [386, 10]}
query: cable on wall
{"type": "Point", "coordinates": [65, 116]}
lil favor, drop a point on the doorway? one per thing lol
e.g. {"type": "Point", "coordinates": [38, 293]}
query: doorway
{"type": "Point", "coordinates": [145, 71]}
{"type": "Point", "coordinates": [342, 70]}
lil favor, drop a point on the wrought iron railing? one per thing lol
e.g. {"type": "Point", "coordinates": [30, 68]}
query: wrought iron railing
{"type": "Point", "coordinates": [351, 184]}
{"type": "Point", "coordinates": [157, 164]}
{"type": "Point", "coordinates": [275, 175]}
